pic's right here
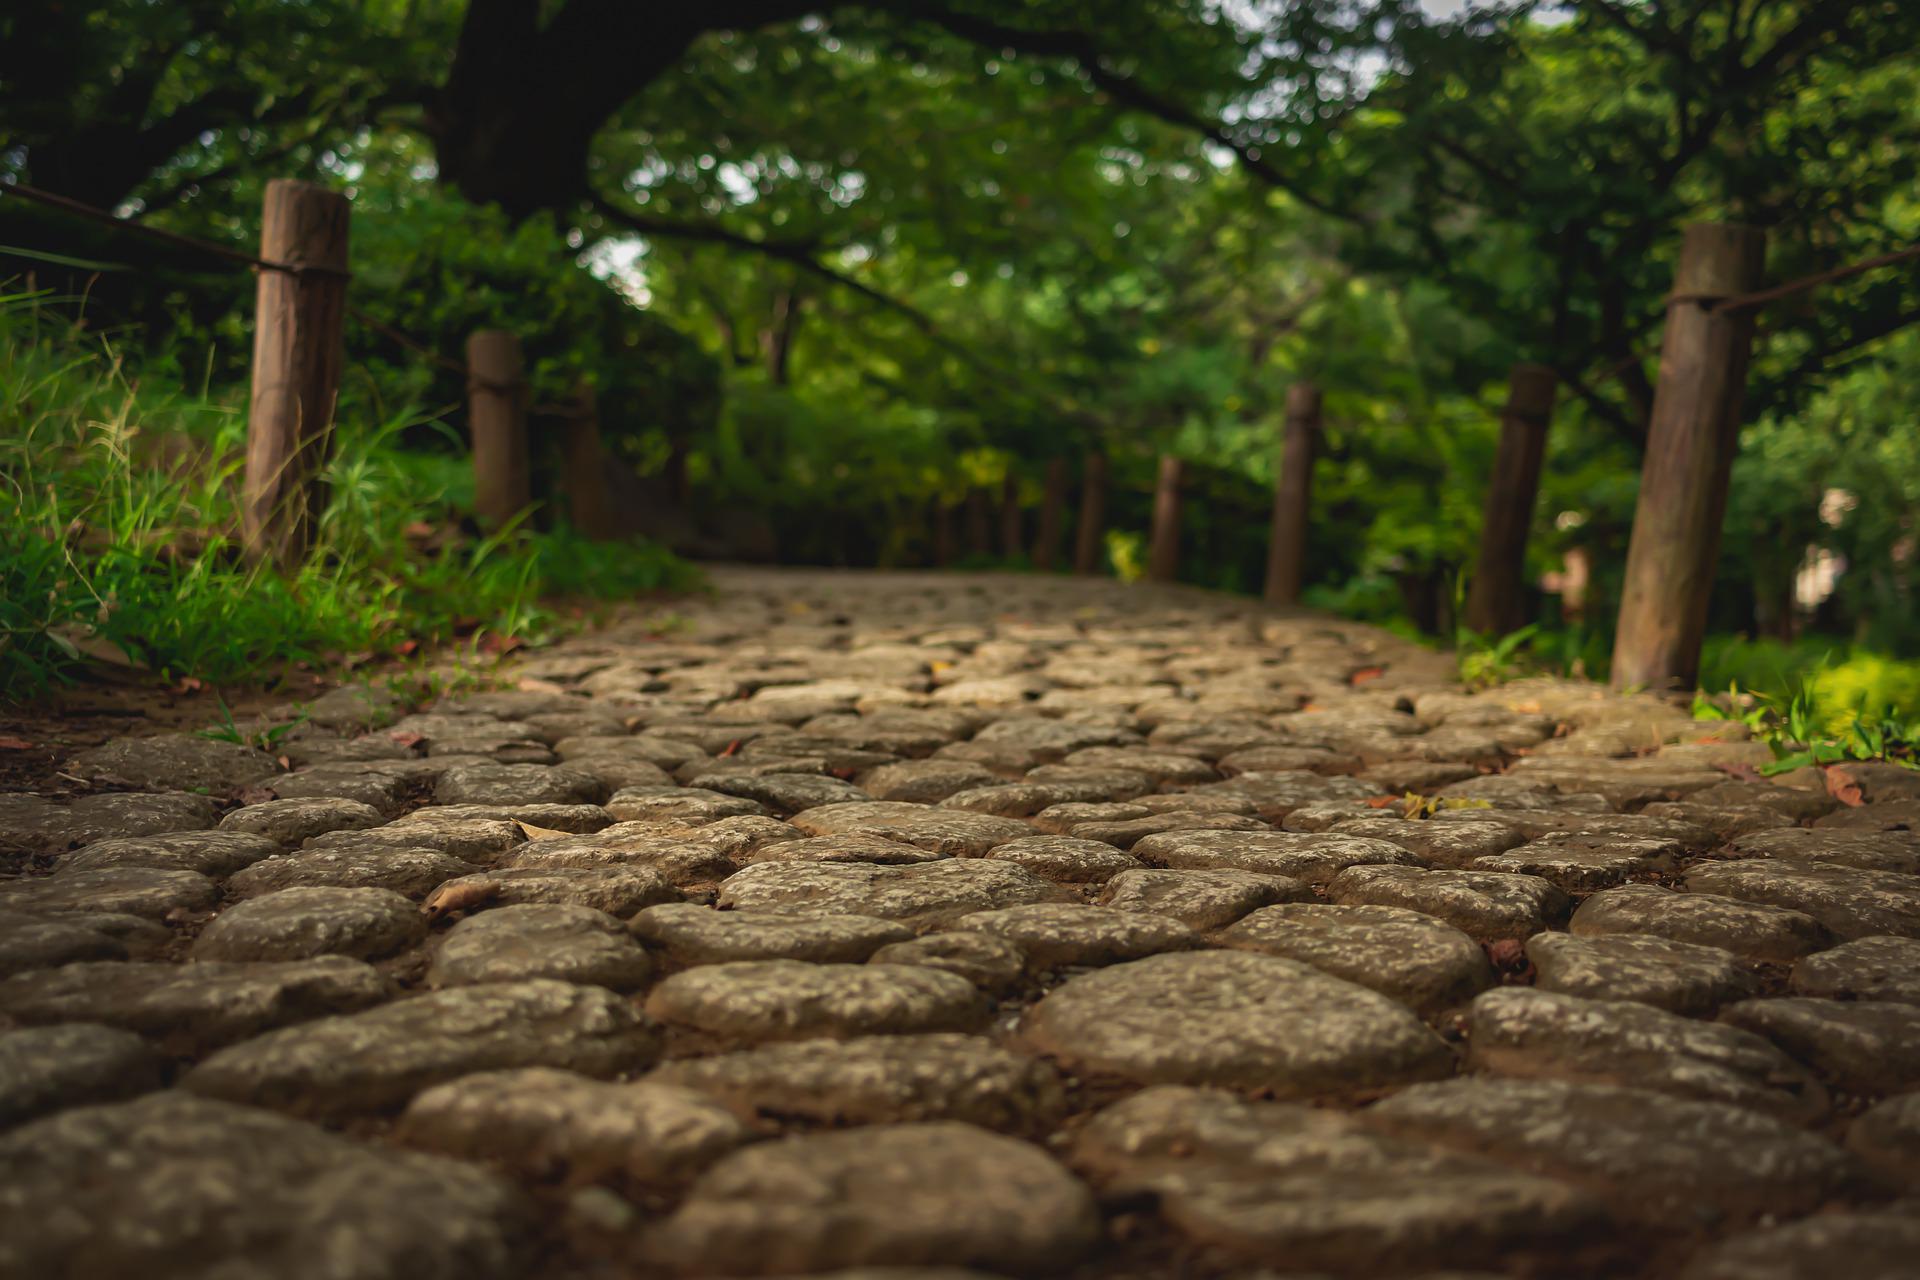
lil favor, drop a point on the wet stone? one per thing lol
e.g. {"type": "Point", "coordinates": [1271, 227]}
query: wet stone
{"type": "Point", "coordinates": [1236, 1020]}
{"type": "Point", "coordinates": [1438, 844]}
{"type": "Point", "coordinates": [994, 965]}
{"type": "Point", "coordinates": [576, 819]}
{"type": "Point", "coordinates": [35, 942]}
{"type": "Point", "coordinates": [147, 892]}
{"type": "Point", "coordinates": [1407, 956]}
{"type": "Point", "coordinates": [192, 1007]}
{"type": "Point", "coordinates": [540, 940]}
{"type": "Point", "coordinates": [175, 762]}
{"type": "Point", "coordinates": [376, 1060]}
{"type": "Point", "coordinates": [209, 853]}
{"type": "Point", "coordinates": [616, 890]}
{"type": "Point", "coordinates": [517, 784]}
{"type": "Point", "coordinates": [291, 823]}
{"type": "Point", "coordinates": [172, 1187]}
{"type": "Point", "coordinates": [413, 873]}
{"type": "Point", "coordinates": [1866, 969]}
{"type": "Point", "coordinates": [1314, 858]}
{"type": "Point", "coordinates": [298, 924]}
{"type": "Point", "coordinates": [1852, 903]}
{"type": "Point", "coordinates": [1680, 977]}
{"type": "Point", "coordinates": [879, 1080]}
{"type": "Point", "coordinates": [927, 1194]}
{"type": "Point", "coordinates": [1541, 1035]}
{"type": "Point", "coordinates": [1260, 1181]}
{"type": "Point", "coordinates": [72, 1064]}
{"type": "Point", "coordinates": [920, 897]}
{"type": "Point", "coordinates": [767, 1000]}
{"type": "Point", "coordinates": [1669, 1161]}
{"type": "Point", "coordinates": [1065, 860]}
{"type": "Point", "coordinates": [1481, 904]}
{"type": "Point", "coordinates": [560, 1126]}
{"type": "Point", "coordinates": [1060, 935]}
{"type": "Point", "coordinates": [1203, 900]}
{"type": "Point", "coordinates": [874, 849]}
{"type": "Point", "coordinates": [1870, 1047]}
{"type": "Point", "coordinates": [1887, 1136]}
{"type": "Point", "coordinates": [949, 831]}
{"type": "Point", "coordinates": [1862, 850]}
{"type": "Point", "coordinates": [1858, 1245]}
{"type": "Point", "coordinates": [785, 793]}
{"type": "Point", "coordinates": [687, 934]}
{"type": "Point", "coordinates": [1754, 930]}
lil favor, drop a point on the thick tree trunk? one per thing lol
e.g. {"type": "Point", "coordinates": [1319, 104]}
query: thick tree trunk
{"type": "Point", "coordinates": [1163, 555]}
{"type": "Point", "coordinates": [1053, 502]}
{"type": "Point", "coordinates": [979, 524]}
{"type": "Point", "coordinates": [1496, 598]}
{"type": "Point", "coordinates": [1013, 541]}
{"type": "Point", "coordinates": [1089, 543]}
{"type": "Point", "coordinates": [1293, 495]}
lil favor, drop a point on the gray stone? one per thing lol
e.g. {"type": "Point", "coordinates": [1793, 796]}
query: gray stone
{"type": "Point", "coordinates": [1203, 900]}
{"type": "Point", "coordinates": [757, 1001]}
{"type": "Point", "coordinates": [174, 762]}
{"type": "Point", "coordinates": [31, 942]}
{"type": "Point", "coordinates": [688, 934]}
{"type": "Point", "coordinates": [1860, 1246]}
{"type": "Point", "coordinates": [1887, 1136]}
{"type": "Point", "coordinates": [173, 1187]}
{"type": "Point", "coordinates": [540, 940]}
{"type": "Point", "coordinates": [1055, 935]}
{"type": "Point", "coordinates": [192, 1007]}
{"type": "Point", "coordinates": [920, 897]}
{"type": "Point", "coordinates": [992, 964]}
{"type": "Point", "coordinates": [924, 781]}
{"type": "Point", "coordinates": [1065, 860]}
{"type": "Point", "coordinates": [115, 815]}
{"type": "Point", "coordinates": [1865, 969]}
{"type": "Point", "coordinates": [880, 1080]}
{"type": "Point", "coordinates": [1438, 844]}
{"type": "Point", "coordinates": [1481, 904]}
{"type": "Point", "coordinates": [1754, 930]}
{"type": "Point", "coordinates": [874, 849]}
{"type": "Point", "coordinates": [689, 805]}
{"type": "Point", "coordinates": [1654, 1159]}
{"type": "Point", "coordinates": [1263, 1181]}
{"type": "Point", "coordinates": [1541, 1035]}
{"type": "Point", "coordinates": [1870, 1048]}
{"type": "Point", "coordinates": [1680, 977]}
{"type": "Point", "coordinates": [1852, 903]}
{"type": "Point", "coordinates": [1581, 865]}
{"type": "Point", "coordinates": [1133, 833]}
{"type": "Point", "coordinates": [913, 1194]}
{"type": "Point", "coordinates": [208, 853]}
{"type": "Point", "coordinates": [784, 793]}
{"type": "Point", "coordinates": [1314, 858]}
{"type": "Point", "coordinates": [376, 1060]}
{"type": "Point", "coordinates": [1410, 957]}
{"type": "Point", "coordinates": [72, 1064]}
{"type": "Point", "coordinates": [1862, 850]}
{"type": "Point", "coordinates": [616, 890]}
{"type": "Point", "coordinates": [470, 839]}
{"type": "Point", "coordinates": [1233, 1019]}
{"type": "Point", "coordinates": [949, 831]}
{"type": "Point", "coordinates": [414, 873]}
{"type": "Point", "coordinates": [385, 792]}
{"type": "Point", "coordinates": [518, 784]}
{"type": "Point", "coordinates": [560, 1126]}
{"type": "Point", "coordinates": [297, 924]}
{"type": "Point", "coordinates": [291, 823]}
{"type": "Point", "coordinates": [147, 892]}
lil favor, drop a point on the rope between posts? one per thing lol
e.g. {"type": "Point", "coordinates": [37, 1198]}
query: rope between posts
{"type": "Point", "coordinates": [1761, 297]}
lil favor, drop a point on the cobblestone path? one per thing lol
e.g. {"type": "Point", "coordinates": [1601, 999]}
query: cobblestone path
{"type": "Point", "coordinates": [903, 926]}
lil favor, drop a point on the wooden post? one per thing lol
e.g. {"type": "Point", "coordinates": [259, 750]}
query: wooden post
{"type": "Point", "coordinates": [1293, 495]}
{"type": "Point", "coordinates": [299, 316]}
{"type": "Point", "coordinates": [497, 416]}
{"type": "Point", "coordinates": [1012, 526]}
{"type": "Point", "coordinates": [1053, 502]}
{"type": "Point", "coordinates": [1691, 438]}
{"type": "Point", "coordinates": [944, 536]}
{"type": "Point", "coordinates": [583, 468]}
{"type": "Point", "coordinates": [979, 523]}
{"type": "Point", "coordinates": [1163, 553]}
{"type": "Point", "coordinates": [1089, 542]}
{"type": "Point", "coordinates": [1496, 595]}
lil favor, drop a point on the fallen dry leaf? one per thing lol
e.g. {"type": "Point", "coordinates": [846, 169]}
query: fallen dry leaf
{"type": "Point", "coordinates": [15, 744]}
{"type": "Point", "coordinates": [1842, 786]}
{"type": "Point", "coordinates": [449, 898]}
{"type": "Point", "coordinates": [1739, 769]}
{"type": "Point", "coordinates": [1365, 674]}
{"type": "Point", "coordinates": [733, 748]}
{"type": "Point", "coordinates": [542, 833]}
{"type": "Point", "coordinates": [408, 739]}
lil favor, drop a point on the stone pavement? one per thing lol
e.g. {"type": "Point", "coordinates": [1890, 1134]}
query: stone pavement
{"type": "Point", "coordinates": [911, 926]}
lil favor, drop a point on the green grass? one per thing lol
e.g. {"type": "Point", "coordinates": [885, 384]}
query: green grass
{"type": "Point", "coordinates": [118, 532]}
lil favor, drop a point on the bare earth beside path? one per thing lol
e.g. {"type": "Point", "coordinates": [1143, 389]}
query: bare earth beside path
{"type": "Point", "coordinates": [941, 926]}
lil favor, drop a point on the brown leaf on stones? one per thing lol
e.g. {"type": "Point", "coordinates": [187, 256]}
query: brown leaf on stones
{"type": "Point", "coordinates": [542, 833]}
{"type": "Point", "coordinates": [449, 898]}
{"type": "Point", "coordinates": [1365, 674]}
{"type": "Point", "coordinates": [1842, 787]}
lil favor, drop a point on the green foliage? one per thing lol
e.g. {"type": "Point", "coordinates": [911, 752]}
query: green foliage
{"type": "Point", "coordinates": [1485, 661]}
{"type": "Point", "coordinates": [118, 542]}
{"type": "Point", "coordinates": [1801, 732]}
{"type": "Point", "coordinates": [262, 737]}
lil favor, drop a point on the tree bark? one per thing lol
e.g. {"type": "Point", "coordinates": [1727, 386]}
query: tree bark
{"type": "Point", "coordinates": [1053, 501]}
{"type": "Point", "coordinates": [298, 351]}
{"type": "Point", "coordinates": [1163, 556]}
{"type": "Point", "coordinates": [497, 418]}
{"type": "Point", "coordinates": [1089, 543]}
{"type": "Point", "coordinates": [1496, 597]}
{"type": "Point", "coordinates": [1691, 440]}
{"type": "Point", "coordinates": [1293, 495]}
{"type": "Point", "coordinates": [1013, 540]}
{"type": "Point", "coordinates": [979, 523]}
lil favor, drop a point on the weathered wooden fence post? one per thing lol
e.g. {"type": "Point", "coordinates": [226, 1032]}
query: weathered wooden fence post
{"type": "Point", "coordinates": [1691, 438]}
{"type": "Point", "coordinates": [1013, 541]}
{"type": "Point", "coordinates": [1163, 553]}
{"type": "Point", "coordinates": [1053, 502]}
{"type": "Point", "coordinates": [497, 416]}
{"type": "Point", "coordinates": [583, 467]}
{"type": "Point", "coordinates": [298, 333]}
{"type": "Point", "coordinates": [1089, 542]}
{"type": "Point", "coordinates": [1496, 595]}
{"type": "Point", "coordinates": [1293, 495]}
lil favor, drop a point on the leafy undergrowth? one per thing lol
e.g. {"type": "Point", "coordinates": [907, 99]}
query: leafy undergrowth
{"type": "Point", "coordinates": [118, 534]}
